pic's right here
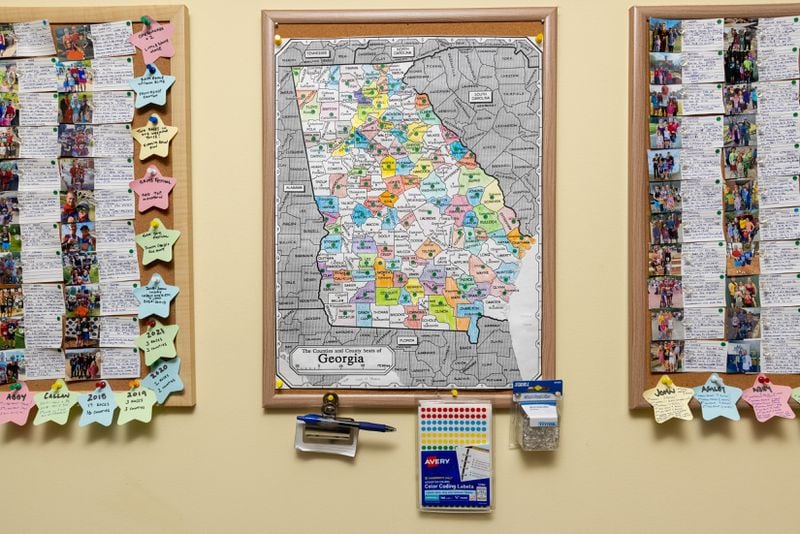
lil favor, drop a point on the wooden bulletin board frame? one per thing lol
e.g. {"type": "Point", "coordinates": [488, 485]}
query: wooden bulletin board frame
{"type": "Point", "coordinates": [179, 215]}
{"type": "Point", "coordinates": [472, 22]}
{"type": "Point", "coordinates": [639, 376]}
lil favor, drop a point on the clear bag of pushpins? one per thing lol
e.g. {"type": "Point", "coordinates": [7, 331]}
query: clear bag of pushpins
{"type": "Point", "coordinates": [535, 415]}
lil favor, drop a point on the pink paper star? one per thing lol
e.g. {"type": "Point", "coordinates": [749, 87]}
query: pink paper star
{"type": "Point", "coordinates": [768, 400]}
{"type": "Point", "coordinates": [15, 405]}
{"type": "Point", "coordinates": [155, 41]}
{"type": "Point", "coordinates": [153, 189]}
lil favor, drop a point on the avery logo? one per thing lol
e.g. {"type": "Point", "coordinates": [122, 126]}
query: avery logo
{"type": "Point", "coordinates": [433, 461]}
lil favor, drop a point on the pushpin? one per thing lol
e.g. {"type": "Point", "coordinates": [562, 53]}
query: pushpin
{"type": "Point", "coordinates": [454, 392]}
{"type": "Point", "coordinates": [763, 380]}
{"type": "Point", "coordinates": [145, 21]}
{"type": "Point", "coordinates": [278, 383]}
{"type": "Point", "coordinates": [667, 381]}
{"type": "Point", "coordinates": [100, 385]}
{"type": "Point", "coordinates": [154, 223]}
{"type": "Point", "coordinates": [278, 39]}
{"type": "Point", "coordinates": [133, 384]}
{"type": "Point", "coordinates": [153, 119]}
{"type": "Point", "coordinates": [151, 323]}
{"type": "Point", "coordinates": [150, 68]}
{"type": "Point", "coordinates": [57, 385]}
{"type": "Point", "coordinates": [15, 386]}
{"type": "Point", "coordinates": [539, 38]}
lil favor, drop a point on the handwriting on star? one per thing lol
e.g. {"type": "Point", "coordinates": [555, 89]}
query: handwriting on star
{"type": "Point", "coordinates": [158, 341]}
{"type": "Point", "coordinates": [717, 399]}
{"type": "Point", "coordinates": [151, 87]}
{"type": "Point", "coordinates": [669, 401]}
{"type": "Point", "coordinates": [154, 138]}
{"type": "Point", "coordinates": [154, 298]}
{"type": "Point", "coordinates": [55, 404]}
{"type": "Point", "coordinates": [768, 400]}
{"type": "Point", "coordinates": [154, 40]}
{"type": "Point", "coordinates": [16, 404]}
{"type": "Point", "coordinates": [136, 404]}
{"type": "Point", "coordinates": [153, 189]}
{"type": "Point", "coordinates": [164, 378]}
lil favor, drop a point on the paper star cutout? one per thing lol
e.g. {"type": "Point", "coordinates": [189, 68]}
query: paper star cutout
{"type": "Point", "coordinates": [164, 378]}
{"type": "Point", "coordinates": [154, 138]}
{"type": "Point", "coordinates": [154, 298]}
{"type": "Point", "coordinates": [718, 399]}
{"type": "Point", "coordinates": [98, 406]}
{"type": "Point", "coordinates": [669, 401]}
{"type": "Point", "coordinates": [15, 405]}
{"type": "Point", "coordinates": [157, 242]}
{"type": "Point", "coordinates": [158, 342]}
{"type": "Point", "coordinates": [136, 404]}
{"type": "Point", "coordinates": [154, 41]}
{"type": "Point", "coordinates": [153, 189]}
{"type": "Point", "coordinates": [768, 400]}
{"type": "Point", "coordinates": [151, 88]}
{"type": "Point", "coordinates": [54, 405]}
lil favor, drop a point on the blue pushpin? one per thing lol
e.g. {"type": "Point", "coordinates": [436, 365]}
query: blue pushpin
{"type": "Point", "coordinates": [153, 119]}
{"type": "Point", "coordinates": [150, 68]}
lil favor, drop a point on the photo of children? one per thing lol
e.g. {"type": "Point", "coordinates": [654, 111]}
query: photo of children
{"type": "Point", "coordinates": [742, 292]}
{"type": "Point", "coordinates": [77, 174]}
{"type": "Point", "coordinates": [10, 239]}
{"type": "Point", "coordinates": [80, 268]}
{"type": "Point", "coordinates": [740, 130]}
{"type": "Point", "coordinates": [666, 100]}
{"type": "Point", "coordinates": [665, 35]}
{"type": "Point", "coordinates": [740, 99]}
{"type": "Point", "coordinates": [664, 260]}
{"type": "Point", "coordinates": [741, 163]}
{"type": "Point", "coordinates": [666, 356]}
{"type": "Point", "coordinates": [665, 228]}
{"type": "Point", "coordinates": [740, 51]}
{"type": "Point", "coordinates": [11, 301]}
{"type": "Point", "coordinates": [8, 41]}
{"type": "Point", "coordinates": [82, 364]}
{"type": "Point", "coordinates": [9, 175]}
{"type": "Point", "coordinates": [664, 292]}
{"type": "Point", "coordinates": [9, 142]}
{"type": "Point", "coordinates": [77, 206]}
{"type": "Point", "coordinates": [741, 227]}
{"type": "Point", "coordinates": [665, 197]}
{"type": "Point", "coordinates": [75, 108]}
{"type": "Point", "coordinates": [743, 259]}
{"type": "Point", "coordinates": [82, 332]}
{"type": "Point", "coordinates": [9, 208]}
{"type": "Point", "coordinates": [743, 323]}
{"type": "Point", "coordinates": [665, 69]}
{"type": "Point", "coordinates": [74, 42]}
{"type": "Point", "coordinates": [9, 109]}
{"type": "Point", "coordinates": [744, 356]}
{"type": "Point", "coordinates": [664, 165]}
{"type": "Point", "coordinates": [75, 140]}
{"type": "Point", "coordinates": [74, 76]}
{"type": "Point", "coordinates": [665, 132]}
{"type": "Point", "coordinates": [12, 367]}
{"type": "Point", "coordinates": [10, 268]}
{"type": "Point", "coordinates": [82, 301]}
{"type": "Point", "coordinates": [12, 333]}
{"type": "Point", "coordinates": [740, 195]}
{"type": "Point", "coordinates": [666, 325]}
{"type": "Point", "coordinates": [77, 237]}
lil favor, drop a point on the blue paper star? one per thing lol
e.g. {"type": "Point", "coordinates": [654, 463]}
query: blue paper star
{"type": "Point", "coordinates": [154, 298]}
{"type": "Point", "coordinates": [164, 378]}
{"type": "Point", "coordinates": [98, 406]}
{"type": "Point", "coordinates": [151, 87]}
{"type": "Point", "coordinates": [718, 399]}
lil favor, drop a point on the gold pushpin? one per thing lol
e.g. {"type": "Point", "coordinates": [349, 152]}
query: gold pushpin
{"type": "Point", "coordinates": [57, 385]}
{"type": "Point", "coordinates": [278, 383]}
{"type": "Point", "coordinates": [539, 38]}
{"type": "Point", "coordinates": [278, 39]}
{"type": "Point", "coordinates": [154, 223]}
{"type": "Point", "coordinates": [667, 381]}
{"type": "Point", "coordinates": [454, 392]}
{"type": "Point", "coordinates": [133, 384]}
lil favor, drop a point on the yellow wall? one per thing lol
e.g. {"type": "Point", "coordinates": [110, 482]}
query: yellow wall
{"type": "Point", "coordinates": [229, 467]}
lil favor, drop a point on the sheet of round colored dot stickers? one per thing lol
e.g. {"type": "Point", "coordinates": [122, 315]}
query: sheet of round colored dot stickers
{"type": "Point", "coordinates": [455, 455]}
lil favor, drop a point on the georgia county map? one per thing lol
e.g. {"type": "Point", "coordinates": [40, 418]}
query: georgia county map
{"type": "Point", "coordinates": [408, 213]}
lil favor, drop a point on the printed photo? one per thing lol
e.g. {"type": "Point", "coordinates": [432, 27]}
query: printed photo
{"type": "Point", "coordinates": [740, 50]}
{"type": "Point", "coordinates": [12, 367]}
{"type": "Point", "coordinates": [80, 268]}
{"type": "Point", "coordinates": [741, 163]}
{"type": "Point", "coordinates": [665, 197]}
{"type": "Point", "coordinates": [78, 237]}
{"type": "Point", "coordinates": [81, 332]}
{"type": "Point", "coordinates": [742, 292]}
{"type": "Point", "coordinates": [74, 76]}
{"type": "Point", "coordinates": [665, 132]}
{"type": "Point", "coordinates": [11, 301]}
{"type": "Point", "coordinates": [741, 226]}
{"type": "Point", "coordinates": [77, 174]}
{"type": "Point", "coordinates": [666, 100]}
{"type": "Point", "coordinates": [665, 69]}
{"type": "Point", "coordinates": [10, 268]}
{"type": "Point", "coordinates": [740, 99]}
{"type": "Point", "coordinates": [9, 208]}
{"type": "Point", "coordinates": [75, 140]}
{"type": "Point", "coordinates": [75, 108]}
{"type": "Point", "coordinates": [9, 80]}
{"type": "Point", "coordinates": [74, 42]}
{"type": "Point", "coordinates": [9, 109]}
{"type": "Point", "coordinates": [664, 292]}
{"type": "Point", "coordinates": [743, 259]}
{"type": "Point", "coordinates": [740, 195]}
{"type": "Point", "coordinates": [12, 333]}
{"type": "Point", "coordinates": [9, 142]}
{"type": "Point", "coordinates": [77, 207]}
{"type": "Point", "coordinates": [665, 35]}
{"type": "Point", "coordinates": [82, 301]}
{"type": "Point", "coordinates": [9, 175]}
{"type": "Point", "coordinates": [666, 325]}
{"type": "Point", "coordinates": [82, 364]}
{"type": "Point", "coordinates": [10, 238]}
{"type": "Point", "coordinates": [666, 356]}
{"type": "Point", "coordinates": [665, 228]}
{"type": "Point", "coordinates": [744, 356]}
{"type": "Point", "coordinates": [8, 40]}
{"type": "Point", "coordinates": [740, 130]}
{"type": "Point", "coordinates": [664, 260]}
{"type": "Point", "coordinates": [664, 165]}
{"type": "Point", "coordinates": [743, 323]}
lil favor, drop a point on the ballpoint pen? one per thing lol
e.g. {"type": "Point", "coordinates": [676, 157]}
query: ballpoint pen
{"type": "Point", "coordinates": [321, 420]}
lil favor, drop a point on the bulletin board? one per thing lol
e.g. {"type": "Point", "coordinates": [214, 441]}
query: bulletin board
{"type": "Point", "coordinates": [640, 335]}
{"type": "Point", "coordinates": [178, 216]}
{"type": "Point", "coordinates": [280, 27]}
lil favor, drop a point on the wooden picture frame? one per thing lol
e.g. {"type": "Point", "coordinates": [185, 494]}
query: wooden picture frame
{"type": "Point", "coordinates": [179, 215]}
{"type": "Point", "coordinates": [639, 376]}
{"type": "Point", "coordinates": [472, 22]}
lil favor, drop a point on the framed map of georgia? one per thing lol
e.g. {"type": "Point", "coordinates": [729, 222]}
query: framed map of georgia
{"type": "Point", "coordinates": [409, 187]}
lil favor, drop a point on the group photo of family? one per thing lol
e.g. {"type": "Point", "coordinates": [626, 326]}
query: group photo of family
{"type": "Point", "coordinates": [665, 35]}
{"type": "Point", "coordinates": [744, 356]}
{"type": "Point", "coordinates": [78, 238]}
{"type": "Point", "coordinates": [75, 108]}
{"type": "Point", "coordinates": [664, 260]}
{"type": "Point", "coordinates": [75, 76]}
{"type": "Point", "coordinates": [740, 163]}
{"type": "Point", "coordinates": [77, 207]}
{"type": "Point", "coordinates": [9, 142]}
{"type": "Point", "coordinates": [744, 323]}
{"type": "Point", "coordinates": [666, 325]}
{"type": "Point", "coordinates": [75, 140]}
{"type": "Point", "coordinates": [665, 69]}
{"type": "Point", "coordinates": [740, 51]}
{"type": "Point", "coordinates": [740, 130]}
{"type": "Point", "coordinates": [740, 99]}
{"type": "Point", "coordinates": [77, 174]}
{"type": "Point", "coordinates": [665, 132]}
{"type": "Point", "coordinates": [665, 197]}
{"type": "Point", "coordinates": [664, 292]}
{"type": "Point", "coordinates": [743, 259]}
{"type": "Point", "coordinates": [740, 195]}
{"type": "Point", "coordinates": [742, 292]}
{"type": "Point", "coordinates": [11, 301]}
{"type": "Point", "coordinates": [80, 268]}
{"type": "Point", "coordinates": [82, 301]}
{"type": "Point", "coordinates": [664, 165]}
{"type": "Point", "coordinates": [666, 356]}
{"type": "Point", "coordinates": [12, 366]}
{"type": "Point", "coordinates": [741, 227]}
{"type": "Point", "coordinates": [665, 228]}
{"type": "Point", "coordinates": [9, 109]}
{"type": "Point", "coordinates": [666, 100]}
{"type": "Point", "coordinates": [9, 175]}
{"type": "Point", "coordinates": [82, 364]}
{"type": "Point", "coordinates": [74, 42]}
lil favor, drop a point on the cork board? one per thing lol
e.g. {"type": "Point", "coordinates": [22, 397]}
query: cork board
{"type": "Point", "coordinates": [473, 22]}
{"type": "Point", "coordinates": [178, 165]}
{"type": "Point", "coordinates": [639, 376]}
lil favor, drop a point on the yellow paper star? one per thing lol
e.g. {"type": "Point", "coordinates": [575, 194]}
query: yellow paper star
{"type": "Point", "coordinates": [154, 138]}
{"type": "Point", "coordinates": [157, 242]}
{"type": "Point", "coordinates": [136, 404]}
{"type": "Point", "coordinates": [669, 401]}
{"type": "Point", "coordinates": [54, 405]}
